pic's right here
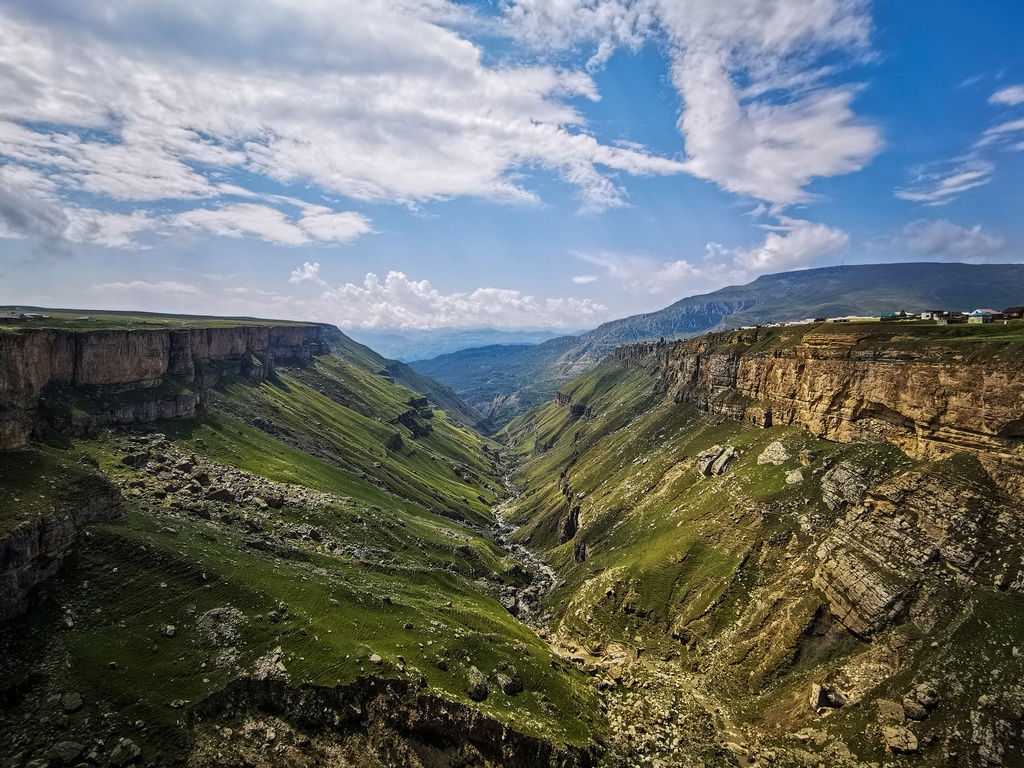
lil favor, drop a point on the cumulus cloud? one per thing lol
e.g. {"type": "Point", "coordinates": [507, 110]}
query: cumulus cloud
{"type": "Point", "coordinates": [1011, 96]}
{"type": "Point", "coordinates": [585, 279]}
{"type": "Point", "coordinates": [307, 272]}
{"type": "Point", "coordinates": [791, 244]}
{"type": "Point", "coordinates": [398, 302]}
{"type": "Point", "coordinates": [758, 119]}
{"type": "Point", "coordinates": [941, 187]}
{"type": "Point", "coordinates": [794, 243]}
{"type": "Point", "coordinates": [943, 239]}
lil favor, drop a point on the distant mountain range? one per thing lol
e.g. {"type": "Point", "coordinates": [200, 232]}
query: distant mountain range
{"type": "Point", "coordinates": [502, 381]}
{"type": "Point", "coordinates": [421, 345]}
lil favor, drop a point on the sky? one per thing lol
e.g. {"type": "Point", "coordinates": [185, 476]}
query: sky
{"type": "Point", "coordinates": [418, 164]}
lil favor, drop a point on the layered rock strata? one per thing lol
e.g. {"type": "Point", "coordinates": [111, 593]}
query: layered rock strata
{"type": "Point", "coordinates": [930, 400]}
{"type": "Point", "coordinates": [40, 368]}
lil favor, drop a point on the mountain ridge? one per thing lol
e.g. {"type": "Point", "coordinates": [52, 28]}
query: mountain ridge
{"type": "Point", "coordinates": [484, 379]}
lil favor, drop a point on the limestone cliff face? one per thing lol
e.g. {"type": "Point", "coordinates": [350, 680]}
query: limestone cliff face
{"type": "Point", "coordinates": [34, 551]}
{"type": "Point", "coordinates": [34, 363]}
{"type": "Point", "coordinates": [929, 401]}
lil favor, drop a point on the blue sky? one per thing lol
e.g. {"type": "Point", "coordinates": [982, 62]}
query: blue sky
{"type": "Point", "coordinates": [512, 164]}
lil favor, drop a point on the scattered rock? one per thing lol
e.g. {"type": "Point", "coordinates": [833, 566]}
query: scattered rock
{"type": "Point", "coordinates": [376, 659]}
{"type": "Point", "coordinates": [794, 477]}
{"type": "Point", "coordinates": [71, 702]}
{"type": "Point", "coordinates": [66, 753]}
{"type": "Point", "coordinates": [775, 453]}
{"type": "Point", "coordinates": [890, 710]}
{"type": "Point", "coordinates": [899, 740]}
{"type": "Point", "coordinates": [135, 460]}
{"type": "Point", "coordinates": [477, 688]}
{"type": "Point", "coordinates": [219, 626]}
{"type": "Point", "coordinates": [914, 710]}
{"type": "Point", "coordinates": [510, 686]}
{"type": "Point", "coordinates": [168, 631]}
{"type": "Point", "coordinates": [125, 753]}
{"type": "Point", "coordinates": [220, 494]}
{"type": "Point", "coordinates": [826, 697]}
{"type": "Point", "coordinates": [927, 696]}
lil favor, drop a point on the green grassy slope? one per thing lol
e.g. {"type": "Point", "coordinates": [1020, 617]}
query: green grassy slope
{"type": "Point", "coordinates": [371, 551]}
{"type": "Point", "coordinates": [711, 578]}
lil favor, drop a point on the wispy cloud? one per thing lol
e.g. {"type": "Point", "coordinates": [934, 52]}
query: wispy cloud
{"type": "Point", "coordinates": [1011, 96]}
{"type": "Point", "coordinates": [976, 168]}
{"type": "Point", "coordinates": [941, 187]}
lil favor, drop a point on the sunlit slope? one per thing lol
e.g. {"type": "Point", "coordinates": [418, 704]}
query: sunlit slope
{"type": "Point", "coordinates": [721, 577]}
{"type": "Point", "coordinates": [285, 532]}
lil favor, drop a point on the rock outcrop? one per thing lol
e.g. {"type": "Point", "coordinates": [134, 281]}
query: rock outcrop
{"type": "Point", "coordinates": [165, 371]}
{"type": "Point", "coordinates": [929, 399]}
{"type": "Point", "coordinates": [34, 551]}
{"type": "Point", "coordinates": [391, 721]}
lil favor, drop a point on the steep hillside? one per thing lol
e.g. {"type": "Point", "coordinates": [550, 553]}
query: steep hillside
{"type": "Point", "coordinates": [407, 377]}
{"type": "Point", "coordinates": [311, 532]}
{"type": "Point", "coordinates": [492, 375]}
{"type": "Point", "coordinates": [792, 530]}
{"type": "Point", "coordinates": [502, 380]}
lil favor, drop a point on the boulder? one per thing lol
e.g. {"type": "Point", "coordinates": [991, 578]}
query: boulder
{"type": "Point", "coordinates": [125, 753]}
{"type": "Point", "coordinates": [510, 686]}
{"type": "Point", "coordinates": [71, 702]}
{"type": "Point", "coordinates": [477, 688]}
{"type": "Point", "coordinates": [66, 753]}
{"type": "Point", "coordinates": [890, 710]}
{"type": "Point", "coordinates": [775, 454]}
{"type": "Point", "coordinates": [220, 494]}
{"type": "Point", "coordinates": [899, 740]}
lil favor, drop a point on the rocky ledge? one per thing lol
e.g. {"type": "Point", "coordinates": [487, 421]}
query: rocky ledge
{"type": "Point", "coordinates": [34, 551]}
{"type": "Point", "coordinates": [369, 723]}
{"type": "Point", "coordinates": [76, 382]}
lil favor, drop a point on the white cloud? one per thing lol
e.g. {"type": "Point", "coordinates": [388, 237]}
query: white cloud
{"type": "Point", "coordinates": [398, 302]}
{"type": "Point", "coordinates": [1011, 96]}
{"type": "Point", "coordinates": [766, 150]}
{"type": "Point", "coordinates": [369, 99]}
{"type": "Point", "coordinates": [944, 239]}
{"type": "Point", "coordinates": [768, 138]}
{"type": "Point", "coordinates": [271, 225]}
{"type": "Point", "coordinates": [939, 188]}
{"type": "Point", "coordinates": [793, 244]}
{"type": "Point", "coordinates": [585, 279]}
{"type": "Point", "coordinates": [1002, 132]}
{"type": "Point", "coordinates": [638, 273]}
{"type": "Point", "coordinates": [137, 287]}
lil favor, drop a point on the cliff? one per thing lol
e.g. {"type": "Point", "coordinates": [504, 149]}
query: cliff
{"type": "Point", "coordinates": [388, 722]}
{"type": "Point", "coordinates": [33, 551]}
{"type": "Point", "coordinates": [165, 371]}
{"type": "Point", "coordinates": [931, 394]}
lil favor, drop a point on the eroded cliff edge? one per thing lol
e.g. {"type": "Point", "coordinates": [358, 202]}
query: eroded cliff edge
{"type": "Point", "coordinates": [127, 376]}
{"type": "Point", "coordinates": [929, 394]}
